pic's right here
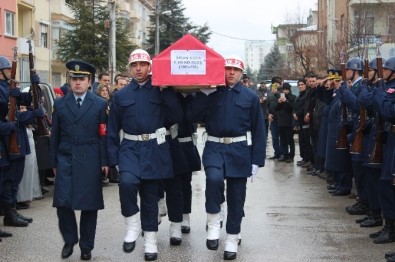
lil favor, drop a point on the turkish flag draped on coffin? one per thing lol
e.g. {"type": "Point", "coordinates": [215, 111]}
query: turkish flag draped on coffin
{"type": "Point", "coordinates": [188, 63]}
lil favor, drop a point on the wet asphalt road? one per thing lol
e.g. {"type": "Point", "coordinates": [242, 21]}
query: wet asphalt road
{"type": "Point", "coordinates": [289, 217]}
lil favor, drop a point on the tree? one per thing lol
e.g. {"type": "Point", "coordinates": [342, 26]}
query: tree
{"type": "Point", "coordinates": [173, 27]}
{"type": "Point", "coordinates": [272, 65]}
{"type": "Point", "coordinates": [89, 38]}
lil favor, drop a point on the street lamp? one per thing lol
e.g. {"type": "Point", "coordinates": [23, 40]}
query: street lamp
{"type": "Point", "coordinates": [157, 14]}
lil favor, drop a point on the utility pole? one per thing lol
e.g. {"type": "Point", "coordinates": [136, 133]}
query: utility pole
{"type": "Point", "coordinates": [157, 11]}
{"type": "Point", "coordinates": [112, 58]}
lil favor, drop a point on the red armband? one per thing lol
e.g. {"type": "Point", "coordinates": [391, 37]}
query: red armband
{"type": "Point", "coordinates": [102, 129]}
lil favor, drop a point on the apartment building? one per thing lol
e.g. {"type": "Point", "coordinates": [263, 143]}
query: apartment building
{"type": "Point", "coordinates": [255, 52]}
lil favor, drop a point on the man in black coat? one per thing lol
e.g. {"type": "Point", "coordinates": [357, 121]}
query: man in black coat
{"type": "Point", "coordinates": [284, 108]}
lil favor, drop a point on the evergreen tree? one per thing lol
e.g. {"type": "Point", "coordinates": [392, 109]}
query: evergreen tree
{"type": "Point", "coordinates": [89, 38]}
{"type": "Point", "coordinates": [173, 27]}
{"type": "Point", "coordinates": [273, 64]}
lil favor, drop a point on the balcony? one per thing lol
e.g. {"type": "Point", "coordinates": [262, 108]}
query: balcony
{"type": "Point", "coordinates": [370, 2]}
{"type": "Point", "coordinates": [362, 40]}
{"type": "Point", "coordinates": [60, 7]}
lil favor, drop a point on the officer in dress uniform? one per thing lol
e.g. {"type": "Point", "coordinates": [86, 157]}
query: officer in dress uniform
{"type": "Point", "coordinates": [143, 156]}
{"type": "Point", "coordinates": [337, 160]}
{"type": "Point", "coordinates": [79, 158]}
{"type": "Point", "coordinates": [13, 173]}
{"type": "Point", "coordinates": [371, 168]}
{"type": "Point", "coordinates": [234, 150]}
{"type": "Point", "coordinates": [187, 137]}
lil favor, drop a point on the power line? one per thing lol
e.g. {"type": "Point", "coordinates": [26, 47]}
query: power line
{"type": "Point", "coordinates": [243, 39]}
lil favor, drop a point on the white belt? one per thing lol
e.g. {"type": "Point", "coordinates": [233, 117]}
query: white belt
{"type": "Point", "coordinates": [227, 140]}
{"type": "Point", "coordinates": [185, 139]}
{"type": "Point", "coordinates": [142, 137]}
{"type": "Point", "coordinates": [305, 126]}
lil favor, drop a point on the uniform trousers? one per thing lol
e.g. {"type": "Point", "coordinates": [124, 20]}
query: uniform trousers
{"type": "Point", "coordinates": [187, 192]}
{"type": "Point", "coordinates": [129, 185]}
{"type": "Point", "coordinates": [287, 141]}
{"type": "Point", "coordinates": [387, 199]}
{"type": "Point", "coordinates": [235, 196]}
{"type": "Point", "coordinates": [372, 176]}
{"type": "Point", "coordinates": [69, 230]}
{"type": "Point", "coordinates": [344, 181]}
{"type": "Point", "coordinates": [12, 176]}
{"type": "Point", "coordinates": [360, 180]}
{"type": "Point", "coordinates": [174, 197]}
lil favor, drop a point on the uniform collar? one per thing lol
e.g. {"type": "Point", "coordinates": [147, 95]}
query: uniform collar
{"type": "Point", "coordinates": [136, 85]}
{"type": "Point", "coordinates": [82, 97]}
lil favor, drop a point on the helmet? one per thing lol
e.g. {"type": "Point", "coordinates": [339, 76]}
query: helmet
{"type": "Point", "coordinates": [390, 64]}
{"type": "Point", "coordinates": [234, 61]}
{"type": "Point", "coordinates": [4, 63]}
{"type": "Point", "coordinates": [355, 63]}
{"type": "Point", "coordinates": [139, 55]}
{"type": "Point", "coordinates": [373, 63]}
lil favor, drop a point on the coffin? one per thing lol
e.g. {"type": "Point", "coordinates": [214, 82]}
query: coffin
{"type": "Point", "coordinates": [188, 64]}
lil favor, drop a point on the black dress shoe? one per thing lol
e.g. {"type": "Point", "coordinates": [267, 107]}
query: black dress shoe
{"type": "Point", "coordinates": [372, 222]}
{"type": "Point", "coordinates": [281, 159]}
{"type": "Point", "coordinates": [389, 254]}
{"type": "Point", "coordinates": [67, 250]}
{"type": "Point", "coordinates": [358, 209]}
{"type": "Point", "coordinates": [360, 220]}
{"type": "Point", "coordinates": [273, 157]}
{"type": "Point", "coordinates": [5, 234]}
{"type": "Point", "coordinates": [230, 255]}
{"type": "Point", "coordinates": [22, 205]}
{"type": "Point", "coordinates": [86, 254]}
{"type": "Point", "coordinates": [341, 193]}
{"type": "Point", "coordinates": [331, 187]}
{"type": "Point", "coordinates": [175, 241]}
{"type": "Point", "coordinates": [376, 234]}
{"type": "Point", "coordinates": [128, 247]}
{"type": "Point", "coordinates": [27, 219]}
{"type": "Point", "coordinates": [212, 244]}
{"type": "Point", "coordinates": [150, 256]}
{"type": "Point", "coordinates": [12, 220]}
{"type": "Point", "coordinates": [44, 190]}
{"type": "Point", "coordinates": [185, 229]}
{"type": "Point", "coordinates": [289, 160]}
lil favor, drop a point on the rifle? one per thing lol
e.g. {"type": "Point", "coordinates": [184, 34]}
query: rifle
{"type": "Point", "coordinates": [376, 156]}
{"type": "Point", "coordinates": [42, 125]}
{"type": "Point", "coordinates": [356, 146]}
{"type": "Point", "coordinates": [13, 146]}
{"type": "Point", "coordinates": [341, 142]}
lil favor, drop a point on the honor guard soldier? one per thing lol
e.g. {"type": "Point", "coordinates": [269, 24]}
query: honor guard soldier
{"type": "Point", "coordinates": [384, 103]}
{"type": "Point", "coordinates": [354, 72]}
{"type": "Point", "coordinates": [13, 173]}
{"type": "Point", "coordinates": [372, 168]}
{"type": "Point", "coordinates": [79, 158]}
{"type": "Point", "coordinates": [142, 154]}
{"type": "Point", "coordinates": [234, 150]}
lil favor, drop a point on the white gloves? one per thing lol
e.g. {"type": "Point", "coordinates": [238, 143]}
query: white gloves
{"type": "Point", "coordinates": [117, 167]}
{"type": "Point", "coordinates": [254, 171]}
{"type": "Point", "coordinates": [208, 91]}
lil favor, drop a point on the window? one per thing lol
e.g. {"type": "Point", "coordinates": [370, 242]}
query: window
{"type": "Point", "coordinates": [364, 22]}
{"type": "Point", "coordinates": [391, 25]}
{"type": "Point", "coordinates": [369, 22]}
{"type": "Point", "coordinates": [9, 23]}
{"type": "Point", "coordinates": [44, 35]}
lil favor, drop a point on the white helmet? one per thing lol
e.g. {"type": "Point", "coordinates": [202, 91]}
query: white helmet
{"type": "Point", "coordinates": [139, 55]}
{"type": "Point", "coordinates": [234, 61]}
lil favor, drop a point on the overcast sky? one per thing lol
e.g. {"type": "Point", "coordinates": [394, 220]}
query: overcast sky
{"type": "Point", "coordinates": [244, 19]}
